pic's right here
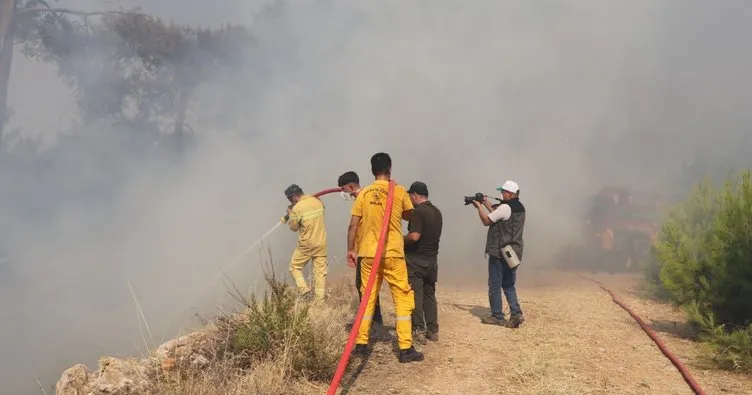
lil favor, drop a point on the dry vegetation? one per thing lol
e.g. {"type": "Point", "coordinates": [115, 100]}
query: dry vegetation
{"type": "Point", "coordinates": [277, 344]}
{"type": "Point", "coordinates": [576, 340]}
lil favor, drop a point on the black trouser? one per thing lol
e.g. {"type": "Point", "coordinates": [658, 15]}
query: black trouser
{"type": "Point", "coordinates": [422, 273]}
{"type": "Point", "coordinates": [377, 312]}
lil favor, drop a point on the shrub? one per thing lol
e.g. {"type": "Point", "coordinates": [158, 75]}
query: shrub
{"type": "Point", "coordinates": [681, 255]}
{"type": "Point", "coordinates": [280, 328]}
{"type": "Point", "coordinates": [703, 258]}
{"type": "Point", "coordinates": [651, 268]}
{"type": "Point", "coordinates": [731, 254]}
{"type": "Point", "coordinates": [277, 345]}
{"type": "Point", "coordinates": [730, 350]}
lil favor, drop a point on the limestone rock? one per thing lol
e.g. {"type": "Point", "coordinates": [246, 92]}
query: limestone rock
{"type": "Point", "coordinates": [73, 381]}
{"type": "Point", "coordinates": [115, 377]}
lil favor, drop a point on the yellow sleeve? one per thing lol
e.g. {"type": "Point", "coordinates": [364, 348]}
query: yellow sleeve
{"type": "Point", "coordinates": [292, 222]}
{"type": "Point", "coordinates": [407, 204]}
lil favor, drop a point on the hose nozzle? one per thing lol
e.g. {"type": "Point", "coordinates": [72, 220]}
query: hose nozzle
{"type": "Point", "coordinates": [287, 216]}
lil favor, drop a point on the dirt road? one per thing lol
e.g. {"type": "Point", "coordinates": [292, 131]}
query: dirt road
{"type": "Point", "coordinates": [575, 341]}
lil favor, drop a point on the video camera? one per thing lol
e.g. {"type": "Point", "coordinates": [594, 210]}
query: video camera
{"type": "Point", "coordinates": [478, 197]}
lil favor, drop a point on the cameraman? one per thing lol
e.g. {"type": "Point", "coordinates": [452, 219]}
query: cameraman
{"type": "Point", "coordinates": [505, 226]}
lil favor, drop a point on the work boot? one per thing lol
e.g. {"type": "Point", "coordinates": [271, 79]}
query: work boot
{"type": "Point", "coordinates": [419, 336]}
{"type": "Point", "coordinates": [361, 350]}
{"type": "Point", "coordinates": [516, 320]}
{"type": "Point", "coordinates": [410, 355]}
{"type": "Point", "coordinates": [492, 320]}
{"type": "Point", "coordinates": [432, 336]}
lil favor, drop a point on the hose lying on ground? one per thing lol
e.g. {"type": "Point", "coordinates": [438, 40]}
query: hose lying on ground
{"type": "Point", "coordinates": [366, 294]}
{"type": "Point", "coordinates": [658, 342]}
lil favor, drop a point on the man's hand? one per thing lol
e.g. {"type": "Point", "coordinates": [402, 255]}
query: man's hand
{"type": "Point", "coordinates": [487, 202]}
{"type": "Point", "coordinates": [352, 258]}
{"type": "Point", "coordinates": [477, 204]}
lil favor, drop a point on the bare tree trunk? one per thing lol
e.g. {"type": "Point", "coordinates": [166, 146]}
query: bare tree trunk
{"type": "Point", "coordinates": [7, 10]}
{"type": "Point", "coordinates": [183, 100]}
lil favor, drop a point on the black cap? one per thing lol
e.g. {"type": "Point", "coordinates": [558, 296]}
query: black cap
{"type": "Point", "coordinates": [419, 188]}
{"type": "Point", "coordinates": [293, 189]}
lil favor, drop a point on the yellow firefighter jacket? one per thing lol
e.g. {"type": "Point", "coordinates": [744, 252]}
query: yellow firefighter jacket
{"type": "Point", "coordinates": [307, 218]}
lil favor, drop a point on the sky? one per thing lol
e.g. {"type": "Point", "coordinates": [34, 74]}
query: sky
{"type": "Point", "coordinates": [562, 97]}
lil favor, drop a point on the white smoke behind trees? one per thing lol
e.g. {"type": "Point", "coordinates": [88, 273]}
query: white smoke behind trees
{"type": "Point", "coordinates": [561, 98]}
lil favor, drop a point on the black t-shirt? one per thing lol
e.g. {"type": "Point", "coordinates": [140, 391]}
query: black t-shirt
{"type": "Point", "coordinates": [427, 221]}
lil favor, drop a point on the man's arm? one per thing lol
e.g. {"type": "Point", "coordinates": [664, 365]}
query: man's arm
{"type": "Point", "coordinates": [502, 213]}
{"type": "Point", "coordinates": [352, 230]}
{"type": "Point", "coordinates": [407, 206]}
{"type": "Point", "coordinates": [412, 237]}
{"type": "Point", "coordinates": [292, 222]}
{"type": "Point", "coordinates": [414, 228]}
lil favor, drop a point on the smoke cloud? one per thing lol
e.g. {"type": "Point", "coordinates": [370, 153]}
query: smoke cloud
{"type": "Point", "coordinates": [562, 98]}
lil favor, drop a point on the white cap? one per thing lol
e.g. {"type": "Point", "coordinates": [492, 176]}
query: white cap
{"type": "Point", "coordinates": [509, 186]}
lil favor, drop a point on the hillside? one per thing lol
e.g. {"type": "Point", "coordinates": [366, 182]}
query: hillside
{"type": "Point", "coordinates": [575, 340]}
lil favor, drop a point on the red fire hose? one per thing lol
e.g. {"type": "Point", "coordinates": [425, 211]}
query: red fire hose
{"type": "Point", "coordinates": [366, 295]}
{"type": "Point", "coordinates": [327, 191]}
{"type": "Point", "coordinates": [658, 342]}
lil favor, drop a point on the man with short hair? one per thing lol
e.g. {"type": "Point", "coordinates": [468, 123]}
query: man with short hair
{"type": "Point", "coordinates": [306, 216]}
{"type": "Point", "coordinates": [505, 226]}
{"type": "Point", "coordinates": [367, 217]}
{"type": "Point", "coordinates": [350, 184]}
{"type": "Point", "coordinates": [421, 251]}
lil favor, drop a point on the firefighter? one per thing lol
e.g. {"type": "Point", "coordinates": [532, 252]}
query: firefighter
{"type": "Point", "coordinates": [306, 216]}
{"type": "Point", "coordinates": [350, 184]}
{"type": "Point", "coordinates": [367, 216]}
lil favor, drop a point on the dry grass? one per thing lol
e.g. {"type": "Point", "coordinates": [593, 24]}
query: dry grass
{"type": "Point", "coordinates": [575, 341]}
{"type": "Point", "coordinates": [276, 345]}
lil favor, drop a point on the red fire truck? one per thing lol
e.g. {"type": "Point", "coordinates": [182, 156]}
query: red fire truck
{"type": "Point", "coordinates": [617, 232]}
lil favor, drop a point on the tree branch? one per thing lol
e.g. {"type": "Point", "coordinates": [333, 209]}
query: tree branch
{"type": "Point", "coordinates": [76, 12]}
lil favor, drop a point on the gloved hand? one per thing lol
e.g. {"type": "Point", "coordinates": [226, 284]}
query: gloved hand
{"type": "Point", "coordinates": [287, 216]}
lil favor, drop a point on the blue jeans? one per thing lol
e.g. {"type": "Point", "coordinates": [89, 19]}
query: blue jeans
{"type": "Point", "coordinates": [500, 276]}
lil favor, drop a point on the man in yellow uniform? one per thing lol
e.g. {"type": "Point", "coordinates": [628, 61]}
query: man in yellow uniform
{"type": "Point", "coordinates": [306, 216]}
{"type": "Point", "coordinates": [367, 217]}
{"type": "Point", "coordinates": [350, 184]}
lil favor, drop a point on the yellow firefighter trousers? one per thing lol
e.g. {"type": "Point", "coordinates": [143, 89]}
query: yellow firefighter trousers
{"type": "Point", "coordinates": [298, 262]}
{"type": "Point", "coordinates": [394, 271]}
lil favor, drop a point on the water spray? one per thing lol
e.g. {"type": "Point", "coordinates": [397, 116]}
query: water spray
{"type": "Point", "coordinates": [231, 263]}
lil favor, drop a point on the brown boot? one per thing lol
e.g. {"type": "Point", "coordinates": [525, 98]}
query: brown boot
{"type": "Point", "coordinates": [516, 320]}
{"type": "Point", "coordinates": [419, 337]}
{"type": "Point", "coordinates": [491, 320]}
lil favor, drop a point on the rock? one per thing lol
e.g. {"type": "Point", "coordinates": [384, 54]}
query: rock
{"type": "Point", "coordinates": [126, 377]}
{"type": "Point", "coordinates": [115, 377]}
{"type": "Point", "coordinates": [199, 361]}
{"type": "Point", "coordinates": [118, 377]}
{"type": "Point", "coordinates": [73, 381]}
{"type": "Point", "coordinates": [168, 364]}
{"type": "Point", "coordinates": [184, 346]}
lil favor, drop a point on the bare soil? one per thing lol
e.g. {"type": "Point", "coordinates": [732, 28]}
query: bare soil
{"type": "Point", "coordinates": [575, 341]}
